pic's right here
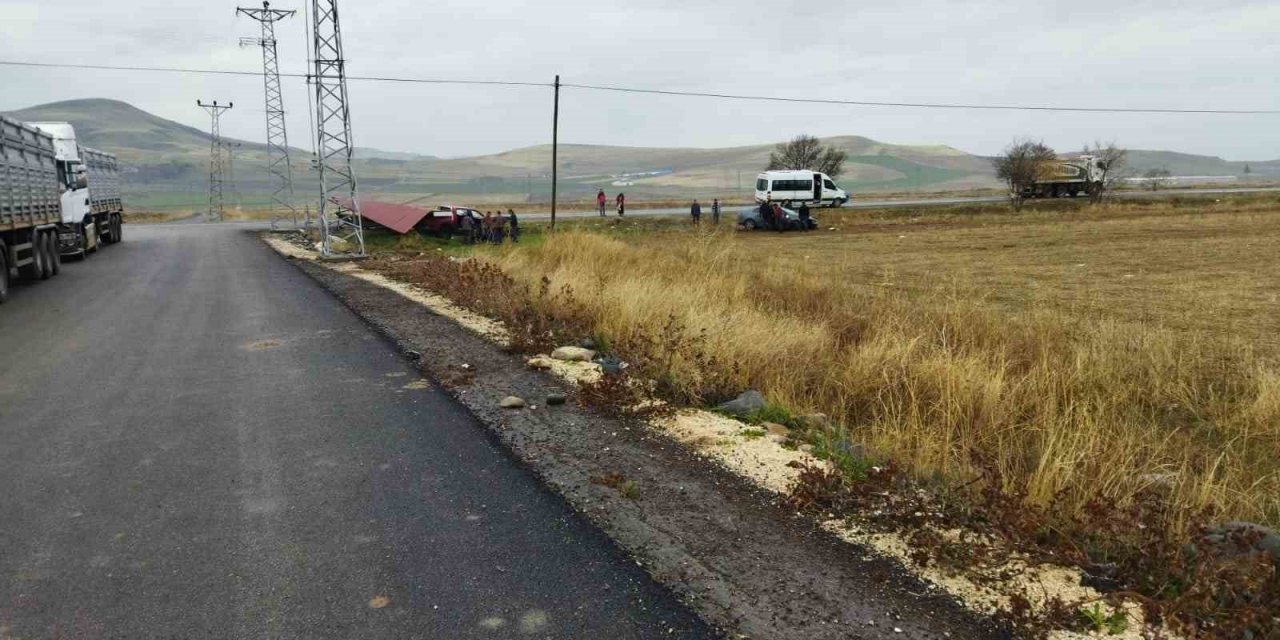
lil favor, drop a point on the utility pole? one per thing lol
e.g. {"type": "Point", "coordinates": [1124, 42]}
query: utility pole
{"type": "Point", "coordinates": [231, 170]}
{"type": "Point", "coordinates": [216, 167]}
{"type": "Point", "coordinates": [555, 151]}
{"type": "Point", "coordinates": [278, 163]}
{"type": "Point", "coordinates": [340, 219]}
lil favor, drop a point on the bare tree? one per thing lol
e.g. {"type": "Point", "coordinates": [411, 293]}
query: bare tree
{"type": "Point", "coordinates": [1157, 178]}
{"type": "Point", "coordinates": [807, 152]}
{"type": "Point", "coordinates": [1021, 165]}
{"type": "Point", "coordinates": [1114, 164]}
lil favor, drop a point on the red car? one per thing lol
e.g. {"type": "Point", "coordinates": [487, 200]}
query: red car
{"type": "Point", "coordinates": [446, 221]}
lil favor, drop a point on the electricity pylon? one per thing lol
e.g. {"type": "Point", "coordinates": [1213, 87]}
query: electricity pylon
{"type": "Point", "coordinates": [278, 163]}
{"type": "Point", "coordinates": [339, 201]}
{"type": "Point", "coordinates": [216, 165]}
{"type": "Point", "coordinates": [231, 148]}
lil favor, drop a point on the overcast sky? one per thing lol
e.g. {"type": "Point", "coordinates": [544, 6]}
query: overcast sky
{"type": "Point", "coordinates": [1212, 54]}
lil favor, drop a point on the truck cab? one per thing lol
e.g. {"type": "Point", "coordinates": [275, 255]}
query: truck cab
{"type": "Point", "coordinates": [90, 199]}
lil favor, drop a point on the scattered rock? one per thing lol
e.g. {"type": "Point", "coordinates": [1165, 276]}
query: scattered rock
{"type": "Point", "coordinates": [1228, 537]}
{"type": "Point", "coordinates": [749, 401]}
{"type": "Point", "coordinates": [588, 343]}
{"type": "Point", "coordinates": [1101, 576]}
{"type": "Point", "coordinates": [540, 362]}
{"type": "Point", "coordinates": [511, 402]}
{"type": "Point", "coordinates": [814, 421]}
{"type": "Point", "coordinates": [775, 429]}
{"type": "Point", "coordinates": [339, 245]}
{"type": "Point", "coordinates": [413, 355]}
{"type": "Point", "coordinates": [806, 448]}
{"type": "Point", "coordinates": [556, 399]}
{"type": "Point", "coordinates": [610, 365]}
{"type": "Point", "coordinates": [573, 354]}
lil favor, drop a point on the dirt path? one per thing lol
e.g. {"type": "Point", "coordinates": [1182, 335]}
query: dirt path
{"type": "Point", "coordinates": [741, 561]}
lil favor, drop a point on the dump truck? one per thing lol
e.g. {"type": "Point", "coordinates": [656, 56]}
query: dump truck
{"type": "Point", "coordinates": [1069, 178]}
{"type": "Point", "coordinates": [56, 198]}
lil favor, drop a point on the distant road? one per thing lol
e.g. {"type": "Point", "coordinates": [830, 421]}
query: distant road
{"type": "Point", "coordinates": [888, 204]}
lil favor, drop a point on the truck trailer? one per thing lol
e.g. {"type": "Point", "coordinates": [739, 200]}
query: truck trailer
{"type": "Point", "coordinates": [56, 198]}
{"type": "Point", "coordinates": [1069, 178]}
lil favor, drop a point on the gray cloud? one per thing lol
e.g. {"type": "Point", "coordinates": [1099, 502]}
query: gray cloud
{"type": "Point", "coordinates": [1085, 53]}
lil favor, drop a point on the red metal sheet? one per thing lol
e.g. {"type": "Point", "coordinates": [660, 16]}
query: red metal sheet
{"type": "Point", "coordinates": [400, 218]}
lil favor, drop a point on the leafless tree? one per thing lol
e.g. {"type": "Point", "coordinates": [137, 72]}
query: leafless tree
{"type": "Point", "coordinates": [1157, 178]}
{"type": "Point", "coordinates": [1114, 163]}
{"type": "Point", "coordinates": [1021, 165]}
{"type": "Point", "coordinates": [807, 152]}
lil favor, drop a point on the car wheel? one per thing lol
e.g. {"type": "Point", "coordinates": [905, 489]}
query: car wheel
{"type": "Point", "coordinates": [749, 225]}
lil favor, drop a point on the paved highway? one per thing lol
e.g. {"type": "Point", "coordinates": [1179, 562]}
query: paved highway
{"type": "Point", "coordinates": [207, 444]}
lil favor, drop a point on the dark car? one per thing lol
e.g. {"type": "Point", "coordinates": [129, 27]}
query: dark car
{"type": "Point", "coordinates": [749, 219]}
{"type": "Point", "coordinates": [446, 221]}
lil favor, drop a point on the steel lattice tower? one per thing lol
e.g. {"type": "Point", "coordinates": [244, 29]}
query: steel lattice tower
{"type": "Point", "coordinates": [278, 163]}
{"type": "Point", "coordinates": [216, 165]}
{"type": "Point", "coordinates": [339, 201]}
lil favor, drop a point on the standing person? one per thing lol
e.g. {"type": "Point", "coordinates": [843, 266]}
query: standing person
{"type": "Point", "coordinates": [696, 212]}
{"type": "Point", "coordinates": [515, 225]}
{"type": "Point", "coordinates": [766, 213]}
{"type": "Point", "coordinates": [486, 227]}
{"type": "Point", "coordinates": [465, 227]}
{"type": "Point", "coordinates": [779, 218]}
{"type": "Point", "coordinates": [622, 204]}
{"type": "Point", "coordinates": [804, 216]}
{"type": "Point", "coordinates": [715, 211]}
{"type": "Point", "coordinates": [600, 200]}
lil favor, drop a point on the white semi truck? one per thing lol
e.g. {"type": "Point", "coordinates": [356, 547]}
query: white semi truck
{"type": "Point", "coordinates": [56, 198]}
{"type": "Point", "coordinates": [1069, 178]}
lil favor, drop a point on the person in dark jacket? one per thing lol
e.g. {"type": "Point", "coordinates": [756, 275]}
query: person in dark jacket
{"type": "Point", "coordinates": [622, 204]}
{"type": "Point", "coordinates": [696, 212]}
{"type": "Point", "coordinates": [766, 213]}
{"type": "Point", "coordinates": [804, 216]}
{"type": "Point", "coordinates": [515, 225]}
{"type": "Point", "coordinates": [715, 211]}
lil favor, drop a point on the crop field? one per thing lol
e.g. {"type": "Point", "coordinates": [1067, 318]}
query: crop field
{"type": "Point", "coordinates": [1089, 351]}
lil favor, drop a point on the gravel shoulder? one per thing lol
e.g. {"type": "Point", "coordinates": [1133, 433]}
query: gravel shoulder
{"type": "Point", "coordinates": [726, 548]}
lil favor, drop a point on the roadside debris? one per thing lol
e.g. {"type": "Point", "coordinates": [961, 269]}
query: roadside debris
{"type": "Point", "coordinates": [573, 354]}
{"type": "Point", "coordinates": [511, 402]}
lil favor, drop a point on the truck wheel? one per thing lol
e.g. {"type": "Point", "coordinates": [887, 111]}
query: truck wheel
{"type": "Point", "coordinates": [119, 228]}
{"type": "Point", "coordinates": [55, 257]}
{"type": "Point", "coordinates": [42, 243]}
{"type": "Point", "coordinates": [4, 274]}
{"type": "Point", "coordinates": [35, 269]}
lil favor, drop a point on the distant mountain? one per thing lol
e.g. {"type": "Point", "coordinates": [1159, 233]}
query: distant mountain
{"type": "Point", "coordinates": [167, 165]}
{"type": "Point", "coordinates": [369, 153]}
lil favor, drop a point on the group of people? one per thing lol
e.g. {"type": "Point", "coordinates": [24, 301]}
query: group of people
{"type": "Point", "coordinates": [491, 228]}
{"type": "Point", "coordinates": [695, 211]}
{"type": "Point", "coordinates": [620, 203]}
{"type": "Point", "coordinates": [774, 217]}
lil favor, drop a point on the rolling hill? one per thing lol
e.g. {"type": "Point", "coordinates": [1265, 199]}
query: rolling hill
{"type": "Point", "coordinates": [167, 165]}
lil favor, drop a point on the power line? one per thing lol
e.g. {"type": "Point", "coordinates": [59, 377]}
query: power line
{"type": "Point", "coordinates": [695, 94]}
{"type": "Point", "coordinates": [919, 105]}
{"type": "Point", "coordinates": [225, 72]}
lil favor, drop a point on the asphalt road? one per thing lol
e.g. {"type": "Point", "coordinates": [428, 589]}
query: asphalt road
{"type": "Point", "coordinates": [196, 441]}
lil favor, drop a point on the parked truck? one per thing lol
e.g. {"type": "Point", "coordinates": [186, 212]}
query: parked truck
{"type": "Point", "coordinates": [56, 198]}
{"type": "Point", "coordinates": [1069, 178]}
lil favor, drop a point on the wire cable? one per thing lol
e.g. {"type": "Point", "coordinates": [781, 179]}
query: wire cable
{"type": "Point", "coordinates": [665, 92]}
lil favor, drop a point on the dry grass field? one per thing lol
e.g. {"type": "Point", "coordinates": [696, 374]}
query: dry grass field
{"type": "Point", "coordinates": [1088, 351]}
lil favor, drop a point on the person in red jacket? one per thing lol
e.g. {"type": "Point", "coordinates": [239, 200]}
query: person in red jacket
{"type": "Point", "coordinates": [622, 204]}
{"type": "Point", "coordinates": [600, 200]}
